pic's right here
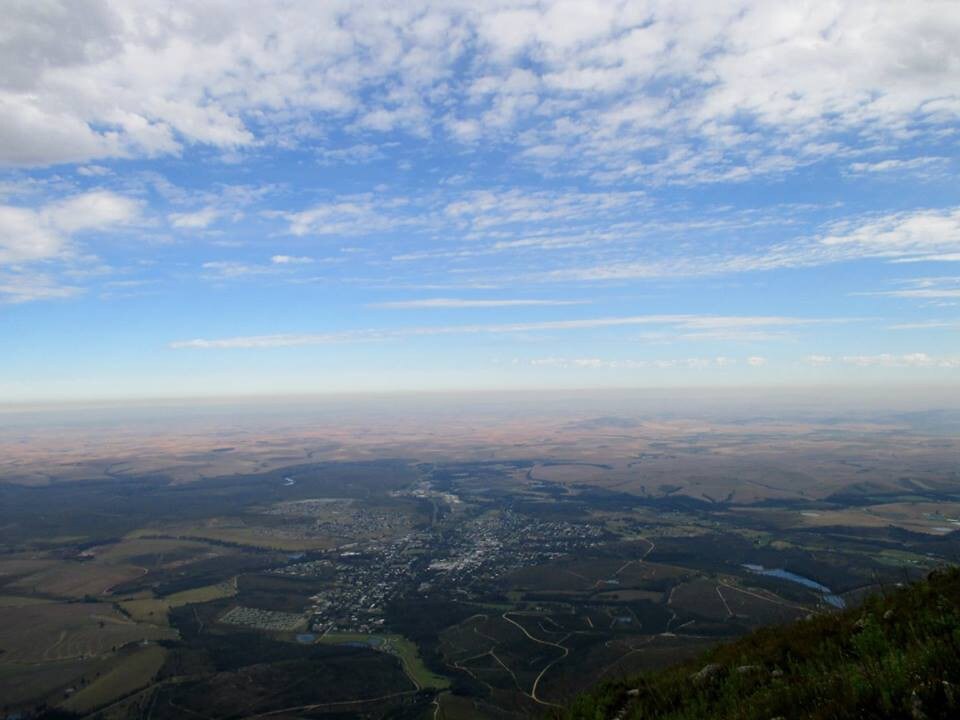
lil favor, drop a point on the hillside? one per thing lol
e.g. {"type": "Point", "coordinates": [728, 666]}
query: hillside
{"type": "Point", "coordinates": [896, 656]}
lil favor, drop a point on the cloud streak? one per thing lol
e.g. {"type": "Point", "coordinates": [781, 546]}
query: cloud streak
{"type": "Point", "coordinates": [456, 303]}
{"type": "Point", "coordinates": [679, 322]}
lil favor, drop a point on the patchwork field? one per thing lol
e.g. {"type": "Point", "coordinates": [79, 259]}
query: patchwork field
{"type": "Point", "coordinates": [493, 582]}
{"type": "Point", "coordinates": [53, 632]}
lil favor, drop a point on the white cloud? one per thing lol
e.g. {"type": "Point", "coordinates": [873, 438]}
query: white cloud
{"type": "Point", "coordinates": [430, 303]}
{"type": "Point", "coordinates": [897, 235]}
{"type": "Point", "coordinates": [291, 260]}
{"type": "Point", "coordinates": [93, 170]}
{"type": "Point", "coordinates": [197, 220]}
{"type": "Point", "coordinates": [356, 215]}
{"type": "Point", "coordinates": [927, 325]}
{"type": "Point", "coordinates": [818, 360]}
{"type": "Point", "coordinates": [32, 235]}
{"type": "Point", "coordinates": [93, 210]}
{"type": "Point", "coordinates": [594, 363]}
{"type": "Point", "coordinates": [24, 237]}
{"type": "Point", "coordinates": [924, 288]}
{"type": "Point", "coordinates": [756, 361]}
{"type": "Point", "coordinates": [922, 234]}
{"type": "Point", "coordinates": [679, 322]}
{"type": "Point", "coordinates": [646, 90]}
{"type": "Point", "coordinates": [896, 165]}
{"type": "Point", "coordinates": [21, 287]}
{"type": "Point", "coordinates": [232, 269]}
{"type": "Point", "coordinates": [907, 360]}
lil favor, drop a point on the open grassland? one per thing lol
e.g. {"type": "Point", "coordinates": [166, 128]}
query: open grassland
{"type": "Point", "coordinates": [151, 552]}
{"type": "Point", "coordinates": [396, 645]}
{"type": "Point", "coordinates": [75, 579]}
{"type": "Point", "coordinates": [154, 610]}
{"type": "Point", "coordinates": [413, 664]}
{"type": "Point", "coordinates": [55, 632]}
{"type": "Point", "coordinates": [21, 683]}
{"type": "Point", "coordinates": [12, 601]}
{"type": "Point", "coordinates": [19, 565]}
{"type": "Point", "coordinates": [230, 531]}
{"type": "Point", "coordinates": [130, 672]}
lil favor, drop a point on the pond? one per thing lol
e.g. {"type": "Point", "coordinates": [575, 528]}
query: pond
{"type": "Point", "coordinates": [828, 596]}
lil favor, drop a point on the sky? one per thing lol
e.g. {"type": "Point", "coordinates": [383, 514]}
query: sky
{"type": "Point", "coordinates": [243, 198]}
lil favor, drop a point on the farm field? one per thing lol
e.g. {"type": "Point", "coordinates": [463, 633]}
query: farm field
{"type": "Point", "coordinates": [471, 588]}
{"type": "Point", "coordinates": [131, 672]}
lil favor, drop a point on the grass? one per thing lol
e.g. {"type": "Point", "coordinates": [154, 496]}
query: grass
{"type": "Point", "coordinates": [897, 656]}
{"type": "Point", "coordinates": [71, 579]}
{"type": "Point", "coordinates": [51, 632]}
{"type": "Point", "coordinates": [399, 646]}
{"type": "Point", "coordinates": [154, 610]}
{"type": "Point", "coordinates": [11, 601]}
{"type": "Point", "coordinates": [259, 537]}
{"type": "Point", "coordinates": [133, 672]}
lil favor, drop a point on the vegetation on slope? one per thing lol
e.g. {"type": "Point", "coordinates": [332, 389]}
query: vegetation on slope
{"type": "Point", "coordinates": [896, 656]}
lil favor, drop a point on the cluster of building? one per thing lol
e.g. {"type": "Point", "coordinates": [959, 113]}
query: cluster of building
{"type": "Point", "coordinates": [487, 547]}
{"type": "Point", "coordinates": [383, 557]}
{"type": "Point", "coordinates": [340, 518]}
{"type": "Point", "coordinates": [461, 555]}
{"type": "Point", "coordinates": [366, 580]}
{"type": "Point", "coordinates": [258, 619]}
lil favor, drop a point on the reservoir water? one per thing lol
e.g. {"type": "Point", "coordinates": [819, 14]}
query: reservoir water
{"type": "Point", "coordinates": [828, 596]}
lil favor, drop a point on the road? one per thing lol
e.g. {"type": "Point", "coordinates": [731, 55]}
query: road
{"type": "Point", "coordinates": [566, 651]}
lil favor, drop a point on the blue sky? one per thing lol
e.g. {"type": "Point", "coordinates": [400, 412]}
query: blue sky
{"type": "Point", "coordinates": [339, 197]}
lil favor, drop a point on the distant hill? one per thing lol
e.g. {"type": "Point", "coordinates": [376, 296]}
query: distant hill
{"type": "Point", "coordinates": [896, 656]}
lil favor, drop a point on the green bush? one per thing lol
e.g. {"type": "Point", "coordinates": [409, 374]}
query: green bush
{"type": "Point", "coordinates": [897, 656]}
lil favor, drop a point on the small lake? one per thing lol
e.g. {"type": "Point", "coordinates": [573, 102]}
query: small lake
{"type": "Point", "coordinates": [828, 596]}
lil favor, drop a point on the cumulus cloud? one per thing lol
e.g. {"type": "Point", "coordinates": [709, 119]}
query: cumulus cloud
{"type": "Point", "coordinates": [197, 220]}
{"type": "Point", "coordinates": [349, 215]}
{"type": "Point", "coordinates": [659, 90]}
{"type": "Point", "coordinates": [46, 233]}
{"type": "Point", "coordinates": [914, 234]}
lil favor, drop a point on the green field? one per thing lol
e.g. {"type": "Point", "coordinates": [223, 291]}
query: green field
{"type": "Point", "coordinates": [154, 610]}
{"type": "Point", "coordinates": [398, 646]}
{"type": "Point", "coordinates": [131, 673]}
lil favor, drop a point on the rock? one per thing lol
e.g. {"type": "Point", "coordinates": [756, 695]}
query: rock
{"type": "Point", "coordinates": [888, 615]}
{"type": "Point", "coordinates": [777, 673]}
{"type": "Point", "coordinates": [916, 707]}
{"type": "Point", "coordinates": [633, 692]}
{"type": "Point", "coordinates": [748, 669]}
{"type": "Point", "coordinates": [706, 675]}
